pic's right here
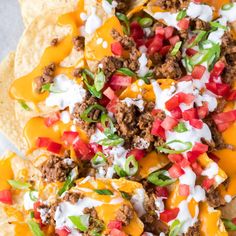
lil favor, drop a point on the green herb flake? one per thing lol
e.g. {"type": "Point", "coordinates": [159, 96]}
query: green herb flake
{"type": "Point", "coordinates": [119, 171]}
{"type": "Point", "coordinates": [19, 184]}
{"type": "Point", "coordinates": [124, 19]}
{"type": "Point", "coordinates": [91, 88]}
{"type": "Point", "coordinates": [227, 6]}
{"type": "Point", "coordinates": [175, 228]}
{"type": "Point", "coordinates": [198, 38]}
{"type": "Point", "coordinates": [80, 222]}
{"type": "Point", "coordinates": [85, 115]}
{"type": "Point", "coordinates": [131, 166]}
{"type": "Point", "coordinates": [24, 105]}
{"type": "Point", "coordinates": [229, 225]}
{"type": "Point", "coordinates": [126, 71]}
{"type": "Point", "coordinates": [46, 87]}
{"type": "Point", "coordinates": [181, 15]}
{"type": "Point", "coordinates": [99, 159]}
{"type": "Point", "coordinates": [146, 22]}
{"type": "Point", "coordinates": [125, 195]}
{"type": "Point", "coordinates": [103, 191]}
{"type": "Point", "coordinates": [160, 178]}
{"type": "Point", "coordinates": [188, 146]}
{"type": "Point", "coordinates": [180, 128]}
{"type": "Point", "coordinates": [176, 48]}
{"type": "Point", "coordinates": [99, 81]}
{"type": "Point", "coordinates": [34, 228]}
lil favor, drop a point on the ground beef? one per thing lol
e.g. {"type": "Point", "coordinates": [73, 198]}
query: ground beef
{"type": "Point", "coordinates": [123, 5]}
{"type": "Point", "coordinates": [54, 42]}
{"type": "Point", "coordinates": [194, 230]}
{"type": "Point", "coordinates": [56, 168]}
{"type": "Point", "coordinates": [132, 62]}
{"type": "Point", "coordinates": [77, 72]}
{"type": "Point", "coordinates": [197, 24]}
{"type": "Point", "coordinates": [110, 64]}
{"type": "Point", "coordinates": [126, 41]}
{"type": "Point", "coordinates": [46, 77]}
{"type": "Point", "coordinates": [172, 5]}
{"type": "Point", "coordinates": [214, 198]}
{"type": "Point", "coordinates": [94, 114]}
{"type": "Point", "coordinates": [79, 43]}
{"type": "Point", "coordinates": [73, 197]}
{"type": "Point", "coordinates": [125, 214]}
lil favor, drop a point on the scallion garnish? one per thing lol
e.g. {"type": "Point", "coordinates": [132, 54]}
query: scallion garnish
{"type": "Point", "coordinates": [46, 87]}
{"type": "Point", "coordinates": [131, 166]}
{"type": "Point", "coordinates": [91, 88]}
{"type": "Point", "coordinates": [34, 228]}
{"type": "Point", "coordinates": [19, 184]}
{"type": "Point", "coordinates": [126, 71]}
{"type": "Point", "coordinates": [146, 78]}
{"type": "Point", "coordinates": [227, 6]}
{"type": "Point", "coordinates": [99, 80]}
{"type": "Point", "coordinates": [89, 73]}
{"type": "Point", "coordinates": [229, 225]}
{"type": "Point", "coordinates": [103, 191]}
{"type": "Point", "coordinates": [198, 38]}
{"type": "Point", "coordinates": [107, 123]}
{"type": "Point", "coordinates": [119, 171]}
{"type": "Point", "coordinates": [125, 19]}
{"type": "Point", "coordinates": [181, 15]}
{"type": "Point", "coordinates": [112, 139]}
{"type": "Point", "coordinates": [80, 222]}
{"type": "Point", "coordinates": [85, 115]}
{"type": "Point", "coordinates": [175, 228]}
{"type": "Point", "coordinates": [160, 178]}
{"type": "Point", "coordinates": [217, 25]}
{"type": "Point", "coordinates": [176, 48]}
{"type": "Point", "coordinates": [146, 22]}
{"type": "Point", "coordinates": [180, 128]}
{"type": "Point", "coordinates": [188, 146]}
{"type": "Point", "coordinates": [99, 159]}
{"type": "Point", "coordinates": [32, 195]}
{"type": "Point", "coordinates": [125, 195]}
{"type": "Point", "coordinates": [24, 105]}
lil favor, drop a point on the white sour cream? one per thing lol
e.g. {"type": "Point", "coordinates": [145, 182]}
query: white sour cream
{"type": "Point", "coordinates": [230, 14]}
{"type": "Point", "coordinates": [93, 22]}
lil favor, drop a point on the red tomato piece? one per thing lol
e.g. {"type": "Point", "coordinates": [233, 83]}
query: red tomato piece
{"type": "Point", "coordinates": [69, 137]}
{"type": "Point", "coordinates": [234, 220]}
{"type": "Point", "coordinates": [137, 153]}
{"type": "Point", "coordinates": [218, 89]}
{"type": "Point", "coordinates": [136, 31]}
{"type": "Point", "coordinates": [52, 119]}
{"type": "Point", "coordinates": [43, 142]}
{"type": "Point", "coordinates": [225, 117]}
{"type": "Point", "coordinates": [218, 69]}
{"type": "Point", "coordinates": [186, 98]}
{"type": "Point", "coordinates": [172, 103]}
{"type": "Point", "coordinates": [169, 30]}
{"type": "Point", "coordinates": [157, 130]}
{"type": "Point", "coordinates": [83, 150]}
{"type": "Point", "coordinates": [198, 124]}
{"type": "Point", "coordinates": [186, 78]}
{"type": "Point", "coordinates": [184, 23]}
{"type": "Point", "coordinates": [175, 171]}
{"type": "Point", "coordinates": [169, 215]}
{"type": "Point", "coordinates": [184, 190]}
{"type": "Point", "coordinates": [223, 127]}
{"type": "Point", "coordinates": [213, 157]}
{"type": "Point", "coordinates": [191, 52]}
{"type": "Point", "coordinates": [202, 111]}
{"type": "Point", "coordinates": [193, 156]}
{"type": "Point", "coordinates": [6, 196]}
{"type": "Point", "coordinates": [176, 113]}
{"type": "Point", "coordinates": [111, 106]}
{"type": "Point", "coordinates": [104, 101]}
{"type": "Point", "coordinates": [169, 123]}
{"type": "Point", "coordinates": [164, 50]}
{"type": "Point", "coordinates": [37, 215]}
{"type": "Point", "coordinates": [231, 96]}
{"type": "Point", "coordinates": [54, 147]}
{"type": "Point", "coordinates": [156, 44]}
{"type": "Point", "coordinates": [200, 147]}
{"type": "Point", "coordinates": [160, 30]}
{"type": "Point", "coordinates": [173, 40]}
{"type": "Point", "coordinates": [190, 114]}
{"type": "Point", "coordinates": [207, 183]}
{"type": "Point", "coordinates": [117, 48]}
{"type": "Point", "coordinates": [118, 82]}
{"type": "Point", "coordinates": [196, 168]}
{"type": "Point", "coordinates": [161, 191]}
{"type": "Point", "coordinates": [115, 224]}
{"type": "Point", "coordinates": [175, 158]}
{"type": "Point", "coordinates": [109, 93]}
{"type": "Point", "coordinates": [63, 232]}
{"type": "Point", "coordinates": [198, 71]}
{"type": "Point", "coordinates": [117, 232]}
{"type": "Point", "coordinates": [184, 163]}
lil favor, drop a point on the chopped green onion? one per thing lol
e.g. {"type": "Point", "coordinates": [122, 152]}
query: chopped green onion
{"type": "Point", "coordinates": [34, 228]}
{"type": "Point", "coordinates": [146, 78]}
{"type": "Point", "coordinates": [103, 191]}
{"type": "Point", "coordinates": [19, 185]}
{"type": "Point", "coordinates": [24, 105]}
{"type": "Point", "coordinates": [131, 166]}
{"type": "Point", "coordinates": [126, 71]}
{"type": "Point", "coordinates": [188, 146]}
{"type": "Point", "coordinates": [32, 197]}
{"type": "Point", "coordinates": [91, 88]}
{"type": "Point", "coordinates": [146, 22]}
{"type": "Point", "coordinates": [227, 6]}
{"type": "Point", "coordinates": [217, 25]}
{"type": "Point", "coordinates": [89, 73]}
{"type": "Point", "coordinates": [175, 228]}
{"type": "Point", "coordinates": [98, 159]}
{"type": "Point", "coordinates": [112, 139]}
{"type": "Point", "coordinates": [125, 195]}
{"type": "Point", "coordinates": [160, 178]}
{"type": "Point", "coordinates": [99, 81]}
{"type": "Point", "coordinates": [110, 1]}
{"type": "Point", "coordinates": [176, 48]}
{"type": "Point", "coordinates": [46, 87]}
{"type": "Point", "coordinates": [180, 128]}
{"type": "Point", "coordinates": [69, 181]}
{"type": "Point", "coordinates": [199, 38]}
{"type": "Point", "coordinates": [229, 225]}
{"type": "Point", "coordinates": [106, 119]}
{"type": "Point", "coordinates": [80, 222]}
{"type": "Point", "coordinates": [31, 214]}
{"type": "Point", "coordinates": [85, 115]}
{"type": "Point", "coordinates": [125, 19]}
{"type": "Point", "coordinates": [187, 64]}
{"type": "Point", "coordinates": [119, 171]}
{"type": "Point", "coordinates": [181, 15]}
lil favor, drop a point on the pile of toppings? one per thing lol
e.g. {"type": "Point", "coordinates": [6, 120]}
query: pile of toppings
{"type": "Point", "coordinates": [162, 93]}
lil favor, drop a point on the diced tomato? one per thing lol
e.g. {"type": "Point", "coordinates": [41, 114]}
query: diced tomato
{"type": "Point", "coordinates": [218, 69]}
{"type": "Point", "coordinates": [160, 30]}
{"type": "Point", "coordinates": [175, 158]}
{"type": "Point", "coordinates": [83, 150]}
{"type": "Point", "coordinates": [184, 23]}
{"type": "Point", "coordinates": [169, 215]}
{"type": "Point", "coordinates": [173, 40]}
{"type": "Point", "coordinates": [109, 93]}
{"type": "Point", "coordinates": [196, 168]}
{"type": "Point", "coordinates": [223, 127]}
{"type": "Point", "coordinates": [231, 96]}
{"type": "Point", "coordinates": [157, 130]}
{"type": "Point", "coordinates": [172, 103]}
{"type": "Point", "coordinates": [63, 232]}
{"type": "Point", "coordinates": [186, 78]}
{"type": "Point", "coordinates": [117, 232]}
{"type": "Point", "coordinates": [164, 50]}
{"type": "Point", "coordinates": [43, 142]}
{"type": "Point", "coordinates": [69, 137]}
{"type": "Point", "coordinates": [117, 48]}
{"type": "Point", "coordinates": [198, 71]}
{"type": "Point", "coordinates": [225, 117]}
{"type": "Point", "coordinates": [190, 114]}
{"type": "Point", "coordinates": [213, 157]}
{"type": "Point", "coordinates": [234, 220]}
{"type": "Point", "coordinates": [176, 113]}
{"type": "Point", "coordinates": [115, 224]}
{"type": "Point", "coordinates": [54, 147]}
{"type": "Point", "coordinates": [191, 52]}
{"type": "Point", "coordinates": [200, 147]}
{"type": "Point", "coordinates": [184, 190]}
{"type": "Point", "coordinates": [6, 196]}
{"type": "Point", "coordinates": [161, 191]}
{"type": "Point", "coordinates": [186, 98]}
{"type": "Point", "coordinates": [156, 44]}
{"type": "Point", "coordinates": [118, 82]}
{"type": "Point", "coordinates": [202, 111]}
{"type": "Point", "coordinates": [207, 183]}
{"type": "Point", "coordinates": [95, 147]}
{"type": "Point", "coordinates": [36, 212]}
{"type": "Point", "coordinates": [136, 31]}
{"type": "Point", "coordinates": [218, 89]}
{"type": "Point", "coordinates": [169, 123]}
{"type": "Point", "coordinates": [169, 30]}
{"type": "Point", "coordinates": [198, 124]}
{"type": "Point", "coordinates": [175, 171]}
{"type": "Point", "coordinates": [184, 163]}
{"type": "Point", "coordinates": [111, 106]}
{"type": "Point", "coordinates": [137, 153]}
{"type": "Point", "coordinates": [52, 119]}
{"type": "Point", "coordinates": [156, 112]}
{"type": "Point", "coordinates": [193, 156]}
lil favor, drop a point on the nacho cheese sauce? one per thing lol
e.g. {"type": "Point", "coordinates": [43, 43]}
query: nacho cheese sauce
{"type": "Point", "coordinates": [125, 136]}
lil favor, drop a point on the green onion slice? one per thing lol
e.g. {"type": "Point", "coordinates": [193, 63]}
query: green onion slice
{"type": "Point", "coordinates": [229, 225]}
{"type": "Point", "coordinates": [91, 88]}
{"type": "Point", "coordinates": [32, 195]}
{"type": "Point", "coordinates": [176, 48]}
{"type": "Point", "coordinates": [227, 6]}
{"type": "Point", "coordinates": [119, 171]}
{"type": "Point", "coordinates": [175, 228]}
{"type": "Point", "coordinates": [107, 122]}
{"type": "Point", "coordinates": [103, 191]}
{"type": "Point", "coordinates": [34, 228]}
{"type": "Point", "coordinates": [46, 87]}
{"type": "Point", "coordinates": [180, 128]}
{"type": "Point", "coordinates": [131, 166]}
{"type": "Point", "coordinates": [181, 15]}
{"type": "Point", "coordinates": [126, 71]}
{"type": "Point", "coordinates": [24, 105]}
{"type": "Point", "coordinates": [146, 22]}
{"type": "Point", "coordinates": [217, 25]}
{"type": "Point", "coordinates": [19, 184]}
{"type": "Point", "coordinates": [160, 178]}
{"type": "Point", "coordinates": [80, 222]}
{"type": "Point", "coordinates": [125, 195]}
{"type": "Point", "coordinates": [115, 141]}
{"type": "Point", "coordinates": [99, 159]}
{"type": "Point", "coordinates": [84, 115]}
{"type": "Point", "coordinates": [99, 81]}
{"type": "Point", "coordinates": [188, 146]}
{"type": "Point", "coordinates": [199, 38]}
{"type": "Point", "coordinates": [125, 19]}
{"type": "Point", "coordinates": [89, 73]}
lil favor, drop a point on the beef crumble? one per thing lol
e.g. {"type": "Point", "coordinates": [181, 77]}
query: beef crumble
{"type": "Point", "coordinates": [73, 197]}
{"type": "Point", "coordinates": [56, 168]}
{"type": "Point", "coordinates": [214, 198]}
{"type": "Point", "coordinates": [125, 214]}
{"type": "Point", "coordinates": [194, 230]}
{"type": "Point", "coordinates": [79, 43]}
{"type": "Point", "coordinates": [54, 42]}
{"type": "Point", "coordinates": [122, 5]}
{"type": "Point", "coordinates": [172, 5]}
{"type": "Point", "coordinates": [46, 77]}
